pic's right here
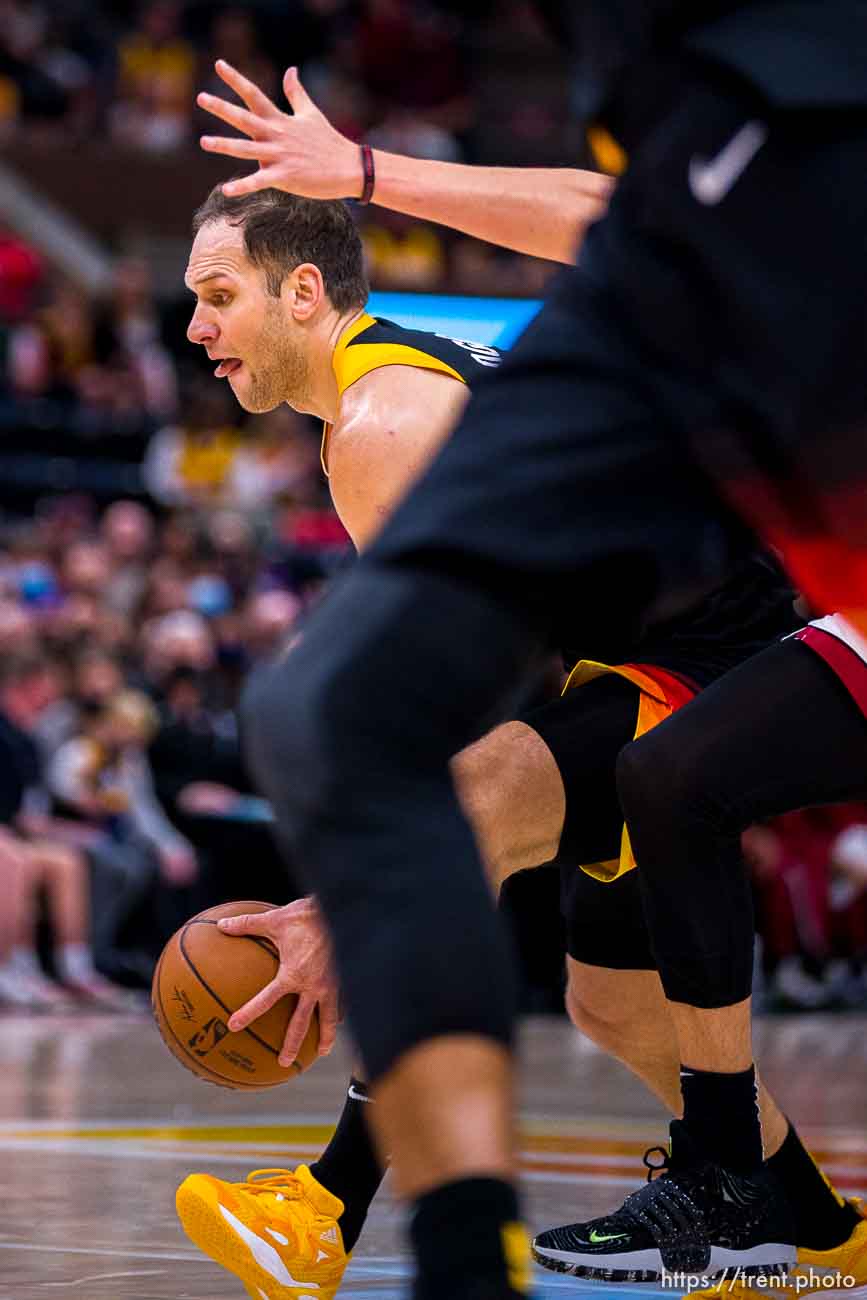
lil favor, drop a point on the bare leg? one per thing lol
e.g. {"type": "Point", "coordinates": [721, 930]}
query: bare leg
{"type": "Point", "coordinates": [627, 1015]}
{"type": "Point", "coordinates": [64, 874]}
{"type": "Point", "coordinates": [430, 1109]}
{"type": "Point", "coordinates": [511, 791]}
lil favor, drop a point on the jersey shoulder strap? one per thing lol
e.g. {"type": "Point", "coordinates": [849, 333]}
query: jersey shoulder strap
{"type": "Point", "coordinates": [371, 342]}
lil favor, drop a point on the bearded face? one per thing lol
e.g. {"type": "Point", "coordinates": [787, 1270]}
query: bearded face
{"type": "Point", "coordinates": [246, 330]}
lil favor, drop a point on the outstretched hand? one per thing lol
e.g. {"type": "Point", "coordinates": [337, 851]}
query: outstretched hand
{"type": "Point", "coordinates": [299, 152]}
{"type": "Point", "coordinates": [299, 935]}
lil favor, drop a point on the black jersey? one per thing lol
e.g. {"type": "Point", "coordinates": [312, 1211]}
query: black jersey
{"type": "Point", "coordinates": [796, 52]}
{"type": "Point", "coordinates": [742, 616]}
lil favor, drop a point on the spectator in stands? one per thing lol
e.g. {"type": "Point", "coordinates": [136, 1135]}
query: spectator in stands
{"type": "Point", "coordinates": [202, 781]}
{"type": "Point", "coordinates": [408, 55]}
{"type": "Point", "coordinates": [50, 353]}
{"type": "Point", "coordinates": [156, 76]}
{"type": "Point", "coordinates": [31, 83]}
{"type": "Point", "coordinates": [21, 271]}
{"type": "Point", "coordinates": [234, 37]}
{"type": "Point", "coordinates": [95, 677]}
{"type": "Point", "coordinates": [142, 866]}
{"type": "Point", "coordinates": [181, 639]}
{"type": "Point", "coordinates": [402, 253]}
{"type": "Point", "coordinates": [17, 629]}
{"type": "Point", "coordinates": [103, 775]}
{"type": "Point", "coordinates": [128, 341]}
{"type": "Point", "coordinates": [85, 569]}
{"type": "Point", "coordinates": [190, 463]}
{"type": "Point", "coordinates": [269, 623]}
{"type": "Point", "coordinates": [810, 878]}
{"type": "Point", "coordinates": [127, 532]}
{"type": "Point", "coordinates": [28, 684]}
{"type": "Point", "coordinates": [278, 458]}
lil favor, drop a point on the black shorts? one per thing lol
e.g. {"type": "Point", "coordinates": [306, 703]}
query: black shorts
{"type": "Point", "coordinates": [585, 731]}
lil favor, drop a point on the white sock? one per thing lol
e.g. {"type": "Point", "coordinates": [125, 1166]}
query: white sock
{"type": "Point", "coordinates": [25, 962]}
{"type": "Point", "coordinates": [74, 963]}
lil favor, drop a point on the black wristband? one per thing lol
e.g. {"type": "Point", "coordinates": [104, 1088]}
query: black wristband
{"type": "Point", "coordinates": [369, 173]}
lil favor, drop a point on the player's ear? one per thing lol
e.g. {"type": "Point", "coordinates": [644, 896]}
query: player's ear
{"type": "Point", "coordinates": [308, 290]}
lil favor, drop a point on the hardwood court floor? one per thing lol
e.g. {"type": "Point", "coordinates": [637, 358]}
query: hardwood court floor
{"type": "Point", "coordinates": [98, 1124]}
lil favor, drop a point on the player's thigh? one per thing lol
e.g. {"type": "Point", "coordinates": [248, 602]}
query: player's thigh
{"type": "Point", "coordinates": [510, 788]}
{"type": "Point", "coordinates": [606, 937]}
{"type": "Point", "coordinates": [778, 732]}
{"type": "Point", "coordinates": [564, 470]}
{"type": "Point", "coordinates": [584, 732]}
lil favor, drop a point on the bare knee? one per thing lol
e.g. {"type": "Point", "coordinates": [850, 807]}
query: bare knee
{"type": "Point", "coordinates": [598, 1019]}
{"type": "Point", "coordinates": [511, 791]}
{"type": "Point", "coordinates": [57, 861]}
{"type": "Point", "coordinates": [615, 1009]}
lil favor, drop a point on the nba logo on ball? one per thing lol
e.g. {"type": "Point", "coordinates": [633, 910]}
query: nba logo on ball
{"type": "Point", "coordinates": [207, 1038]}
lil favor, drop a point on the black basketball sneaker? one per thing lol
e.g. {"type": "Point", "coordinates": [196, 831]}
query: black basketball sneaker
{"type": "Point", "coordinates": [694, 1218]}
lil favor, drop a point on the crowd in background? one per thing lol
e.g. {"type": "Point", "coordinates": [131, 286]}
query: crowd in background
{"type": "Point", "coordinates": [132, 607]}
{"type": "Point", "coordinates": [397, 73]}
{"type": "Point", "coordinates": [125, 805]}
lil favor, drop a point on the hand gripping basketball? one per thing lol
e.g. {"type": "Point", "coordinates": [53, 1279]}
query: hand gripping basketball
{"type": "Point", "coordinates": [306, 968]}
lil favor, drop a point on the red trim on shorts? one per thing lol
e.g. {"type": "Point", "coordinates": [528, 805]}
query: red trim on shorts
{"type": "Point", "coordinates": [677, 688]}
{"type": "Point", "coordinates": [841, 658]}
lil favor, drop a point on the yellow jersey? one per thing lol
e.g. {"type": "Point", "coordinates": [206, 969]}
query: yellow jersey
{"type": "Point", "coordinates": [371, 342]}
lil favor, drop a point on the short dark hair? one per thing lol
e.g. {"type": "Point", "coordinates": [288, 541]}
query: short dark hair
{"type": "Point", "coordinates": [283, 230]}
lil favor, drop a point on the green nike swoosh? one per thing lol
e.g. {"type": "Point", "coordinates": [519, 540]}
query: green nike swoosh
{"type": "Point", "coordinates": [597, 1237]}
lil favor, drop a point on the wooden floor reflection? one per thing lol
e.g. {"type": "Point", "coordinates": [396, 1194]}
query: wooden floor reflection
{"type": "Point", "coordinates": [98, 1124]}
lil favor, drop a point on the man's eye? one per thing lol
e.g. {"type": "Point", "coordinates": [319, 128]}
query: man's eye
{"type": "Point", "coordinates": [219, 299]}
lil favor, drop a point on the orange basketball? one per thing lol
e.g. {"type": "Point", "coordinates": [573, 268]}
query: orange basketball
{"type": "Point", "coordinates": [202, 977]}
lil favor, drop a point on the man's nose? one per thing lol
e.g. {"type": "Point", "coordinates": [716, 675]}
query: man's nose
{"type": "Point", "coordinates": [201, 331]}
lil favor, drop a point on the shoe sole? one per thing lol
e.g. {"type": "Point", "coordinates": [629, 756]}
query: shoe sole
{"type": "Point", "coordinates": [770, 1259]}
{"type": "Point", "coordinates": [214, 1238]}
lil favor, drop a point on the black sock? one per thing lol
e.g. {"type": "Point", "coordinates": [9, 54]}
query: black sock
{"type": "Point", "coordinates": [721, 1116]}
{"type": "Point", "coordinates": [349, 1166]}
{"type": "Point", "coordinates": [469, 1242]}
{"type": "Point", "coordinates": [823, 1219]}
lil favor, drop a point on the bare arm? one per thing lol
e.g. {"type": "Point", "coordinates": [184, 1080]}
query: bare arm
{"type": "Point", "coordinates": [392, 422]}
{"type": "Point", "coordinates": [540, 211]}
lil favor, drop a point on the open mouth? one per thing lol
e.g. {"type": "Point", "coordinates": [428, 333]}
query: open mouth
{"type": "Point", "coordinates": [227, 367]}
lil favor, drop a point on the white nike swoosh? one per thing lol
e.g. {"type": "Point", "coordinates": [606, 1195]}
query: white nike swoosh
{"type": "Point", "coordinates": [710, 179]}
{"type": "Point", "coordinates": [264, 1254]}
{"type": "Point", "coordinates": [357, 1096]}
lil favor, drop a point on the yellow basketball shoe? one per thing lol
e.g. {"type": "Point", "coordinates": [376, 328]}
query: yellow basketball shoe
{"type": "Point", "coordinates": [277, 1232]}
{"type": "Point", "coordinates": [842, 1268]}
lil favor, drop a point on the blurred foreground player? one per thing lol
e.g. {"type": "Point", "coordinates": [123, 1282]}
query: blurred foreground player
{"type": "Point", "coordinates": [580, 461]}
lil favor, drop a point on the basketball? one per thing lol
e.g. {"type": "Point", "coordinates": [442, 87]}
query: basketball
{"type": "Point", "coordinates": [203, 977]}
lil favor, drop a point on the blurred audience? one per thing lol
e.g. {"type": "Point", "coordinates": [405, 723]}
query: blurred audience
{"type": "Point", "coordinates": [810, 872]}
{"type": "Point", "coordinates": [156, 77]}
{"type": "Point", "coordinates": [40, 858]}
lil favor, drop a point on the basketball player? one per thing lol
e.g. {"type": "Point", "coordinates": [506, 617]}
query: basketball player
{"type": "Point", "coordinates": [502, 779]}
{"type": "Point", "coordinates": [584, 461]}
{"type": "Point", "coordinates": [785, 730]}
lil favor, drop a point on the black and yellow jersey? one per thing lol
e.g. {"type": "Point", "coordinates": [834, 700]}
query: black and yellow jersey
{"type": "Point", "coordinates": [371, 342]}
